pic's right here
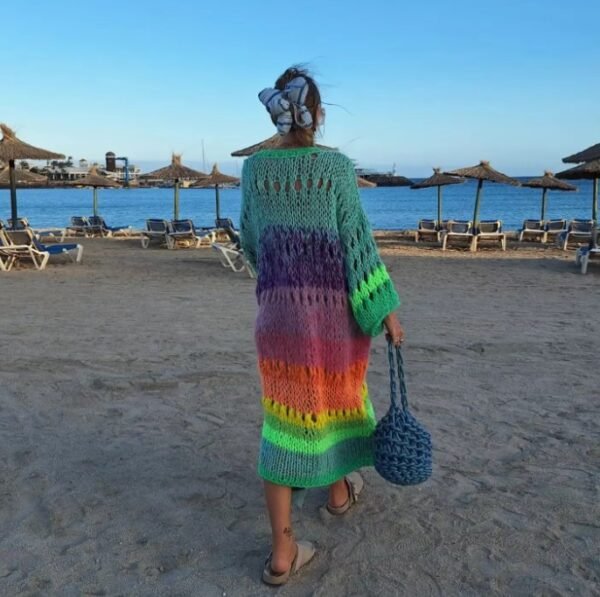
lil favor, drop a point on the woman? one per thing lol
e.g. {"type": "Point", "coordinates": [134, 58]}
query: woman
{"type": "Point", "coordinates": [322, 293]}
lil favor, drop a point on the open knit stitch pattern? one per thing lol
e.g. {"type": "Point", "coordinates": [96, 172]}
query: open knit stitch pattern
{"type": "Point", "coordinates": [322, 293]}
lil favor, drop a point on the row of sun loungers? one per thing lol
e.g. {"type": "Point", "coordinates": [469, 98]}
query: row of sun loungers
{"type": "Point", "coordinates": [95, 226]}
{"type": "Point", "coordinates": [24, 245]}
{"type": "Point", "coordinates": [559, 231]}
{"type": "Point", "coordinates": [183, 233]}
{"type": "Point", "coordinates": [461, 232]}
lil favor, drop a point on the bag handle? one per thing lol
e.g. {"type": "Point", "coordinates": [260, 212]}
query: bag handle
{"type": "Point", "coordinates": [397, 375]}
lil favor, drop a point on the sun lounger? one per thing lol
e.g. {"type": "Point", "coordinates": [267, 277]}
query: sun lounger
{"type": "Point", "coordinates": [579, 231]}
{"type": "Point", "coordinates": [27, 238]}
{"type": "Point", "coordinates": [489, 230]}
{"type": "Point", "coordinates": [533, 230]}
{"type": "Point", "coordinates": [14, 248]}
{"type": "Point", "coordinates": [53, 234]}
{"type": "Point", "coordinates": [231, 254]}
{"type": "Point", "coordinates": [183, 233]}
{"type": "Point", "coordinates": [554, 228]}
{"type": "Point", "coordinates": [428, 230]}
{"type": "Point", "coordinates": [80, 225]}
{"type": "Point", "coordinates": [156, 230]}
{"type": "Point", "coordinates": [457, 230]}
{"type": "Point", "coordinates": [98, 224]}
{"type": "Point", "coordinates": [584, 254]}
{"type": "Point", "coordinates": [8, 253]}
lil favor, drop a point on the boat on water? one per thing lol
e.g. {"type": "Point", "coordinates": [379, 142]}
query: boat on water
{"type": "Point", "coordinates": [384, 179]}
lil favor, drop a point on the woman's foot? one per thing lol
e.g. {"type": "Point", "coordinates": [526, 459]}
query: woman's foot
{"type": "Point", "coordinates": [303, 554]}
{"type": "Point", "coordinates": [344, 494]}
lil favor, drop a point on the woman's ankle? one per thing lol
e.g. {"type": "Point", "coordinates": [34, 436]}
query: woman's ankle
{"type": "Point", "coordinates": [338, 493]}
{"type": "Point", "coordinates": [283, 555]}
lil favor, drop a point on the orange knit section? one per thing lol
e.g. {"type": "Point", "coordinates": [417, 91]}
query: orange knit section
{"type": "Point", "coordinates": [313, 389]}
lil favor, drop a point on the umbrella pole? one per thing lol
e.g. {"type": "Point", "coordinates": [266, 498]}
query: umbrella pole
{"type": "Point", "coordinates": [217, 202]}
{"type": "Point", "coordinates": [439, 216]}
{"type": "Point", "coordinates": [477, 200]}
{"type": "Point", "coordinates": [544, 191]}
{"type": "Point", "coordinates": [13, 193]}
{"type": "Point", "coordinates": [95, 202]}
{"type": "Point", "coordinates": [595, 202]}
{"type": "Point", "coordinates": [176, 201]}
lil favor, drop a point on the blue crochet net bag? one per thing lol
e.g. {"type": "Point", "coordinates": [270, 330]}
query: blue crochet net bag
{"type": "Point", "coordinates": [402, 444]}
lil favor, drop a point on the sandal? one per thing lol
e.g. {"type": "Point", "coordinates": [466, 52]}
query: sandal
{"type": "Point", "coordinates": [355, 485]}
{"type": "Point", "coordinates": [305, 552]}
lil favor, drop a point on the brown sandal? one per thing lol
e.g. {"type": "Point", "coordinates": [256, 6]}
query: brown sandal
{"type": "Point", "coordinates": [305, 552]}
{"type": "Point", "coordinates": [355, 485]}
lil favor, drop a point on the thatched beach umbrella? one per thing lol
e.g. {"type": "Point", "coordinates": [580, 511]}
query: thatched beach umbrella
{"type": "Point", "coordinates": [11, 149]}
{"type": "Point", "coordinates": [175, 172]}
{"type": "Point", "coordinates": [217, 178]}
{"type": "Point", "coordinates": [95, 180]}
{"type": "Point", "coordinates": [483, 171]}
{"type": "Point", "coordinates": [270, 143]}
{"type": "Point", "coordinates": [587, 155]}
{"type": "Point", "coordinates": [548, 182]}
{"type": "Point", "coordinates": [587, 171]}
{"type": "Point", "coordinates": [23, 178]}
{"type": "Point", "coordinates": [438, 180]}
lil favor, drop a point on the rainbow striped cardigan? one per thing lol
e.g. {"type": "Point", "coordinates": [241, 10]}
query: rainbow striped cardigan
{"type": "Point", "coordinates": [322, 293]}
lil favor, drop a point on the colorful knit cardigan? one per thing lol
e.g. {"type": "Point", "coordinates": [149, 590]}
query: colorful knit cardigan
{"type": "Point", "coordinates": [322, 293]}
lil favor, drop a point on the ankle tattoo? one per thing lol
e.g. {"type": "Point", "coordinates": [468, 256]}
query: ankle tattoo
{"type": "Point", "coordinates": [288, 532]}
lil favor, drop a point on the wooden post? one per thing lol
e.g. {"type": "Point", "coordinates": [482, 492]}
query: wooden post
{"type": "Point", "coordinates": [439, 216]}
{"type": "Point", "coordinates": [217, 202]}
{"type": "Point", "coordinates": [544, 191]}
{"type": "Point", "coordinates": [595, 202]}
{"type": "Point", "coordinates": [176, 200]}
{"type": "Point", "coordinates": [477, 201]}
{"type": "Point", "coordinates": [13, 193]}
{"type": "Point", "coordinates": [95, 202]}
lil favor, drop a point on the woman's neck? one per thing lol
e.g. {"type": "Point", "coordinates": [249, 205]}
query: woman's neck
{"type": "Point", "coordinates": [292, 140]}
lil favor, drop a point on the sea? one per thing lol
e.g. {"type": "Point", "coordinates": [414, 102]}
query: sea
{"type": "Point", "coordinates": [388, 208]}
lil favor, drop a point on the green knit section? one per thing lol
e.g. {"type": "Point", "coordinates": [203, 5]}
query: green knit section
{"type": "Point", "coordinates": [367, 287]}
{"type": "Point", "coordinates": [309, 188]}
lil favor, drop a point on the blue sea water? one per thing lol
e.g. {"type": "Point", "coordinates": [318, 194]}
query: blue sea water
{"type": "Point", "coordinates": [387, 207]}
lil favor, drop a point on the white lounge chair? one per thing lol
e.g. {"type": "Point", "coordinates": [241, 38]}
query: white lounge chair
{"type": "Point", "coordinates": [231, 254]}
{"type": "Point", "coordinates": [156, 231]}
{"type": "Point", "coordinates": [39, 250]}
{"type": "Point", "coordinates": [428, 230]}
{"type": "Point", "coordinates": [554, 228]}
{"type": "Point", "coordinates": [579, 231]}
{"type": "Point", "coordinates": [532, 230]}
{"type": "Point", "coordinates": [584, 254]}
{"type": "Point", "coordinates": [489, 230]}
{"type": "Point", "coordinates": [457, 230]}
{"type": "Point", "coordinates": [183, 233]}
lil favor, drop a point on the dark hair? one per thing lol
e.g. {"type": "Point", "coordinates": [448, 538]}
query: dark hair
{"type": "Point", "coordinates": [313, 103]}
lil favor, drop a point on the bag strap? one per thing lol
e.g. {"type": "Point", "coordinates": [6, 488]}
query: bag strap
{"type": "Point", "coordinates": [397, 375]}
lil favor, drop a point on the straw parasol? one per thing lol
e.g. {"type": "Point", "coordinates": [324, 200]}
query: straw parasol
{"type": "Point", "coordinates": [176, 172]}
{"type": "Point", "coordinates": [587, 155]}
{"type": "Point", "coordinates": [95, 180]}
{"type": "Point", "coordinates": [548, 182]}
{"type": "Point", "coordinates": [438, 180]}
{"type": "Point", "coordinates": [483, 171]}
{"type": "Point", "coordinates": [217, 178]}
{"type": "Point", "coordinates": [270, 143]}
{"type": "Point", "coordinates": [11, 149]}
{"type": "Point", "coordinates": [587, 171]}
{"type": "Point", "coordinates": [22, 177]}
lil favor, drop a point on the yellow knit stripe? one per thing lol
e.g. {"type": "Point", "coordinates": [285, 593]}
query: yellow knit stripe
{"type": "Point", "coordinates": [378, 277]}
{"type": "Point", "coordinates": [318, 421]}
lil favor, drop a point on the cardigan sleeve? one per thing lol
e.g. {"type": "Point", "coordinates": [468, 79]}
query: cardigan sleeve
{"type": "Point", "coordinates": [248, 238]}
{"type": "Point", "coordinates": [371, 291]}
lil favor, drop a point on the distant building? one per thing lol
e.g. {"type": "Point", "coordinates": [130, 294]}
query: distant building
{"type": "Point", "coordinates": [117, 166]}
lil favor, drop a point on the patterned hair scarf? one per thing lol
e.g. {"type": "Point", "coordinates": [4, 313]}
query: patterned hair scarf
{"type": "Point", "coordinates": [287, 106]}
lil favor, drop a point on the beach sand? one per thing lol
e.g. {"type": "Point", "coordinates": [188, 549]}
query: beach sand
{"type": "Point", "coordinates": [130, 420]}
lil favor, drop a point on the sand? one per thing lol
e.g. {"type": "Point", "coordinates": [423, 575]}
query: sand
{"type": "Point", "coordinates": [130, 420]}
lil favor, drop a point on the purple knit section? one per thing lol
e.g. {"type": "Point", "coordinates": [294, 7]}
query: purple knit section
{"type": "Point", "coordinates": [297, 258]}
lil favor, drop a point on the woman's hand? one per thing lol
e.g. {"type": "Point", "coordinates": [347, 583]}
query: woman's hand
{"type": "Point", "coordinates": [394, 331]}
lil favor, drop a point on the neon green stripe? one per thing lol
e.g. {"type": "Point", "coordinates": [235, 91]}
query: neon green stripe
{"type": "Point", "coordinates": [310, 444]}
{"type": "Point", "coordinates": [378, 277]}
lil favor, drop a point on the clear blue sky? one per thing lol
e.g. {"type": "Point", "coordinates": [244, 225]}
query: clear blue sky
{"type": "Point", "coordinates": [420, 84]}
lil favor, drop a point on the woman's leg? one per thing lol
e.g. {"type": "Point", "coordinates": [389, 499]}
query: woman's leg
{"type": "Point", "coordinates": [338, 493]}
{"type": "Point", "coordinates": [279, 505]}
